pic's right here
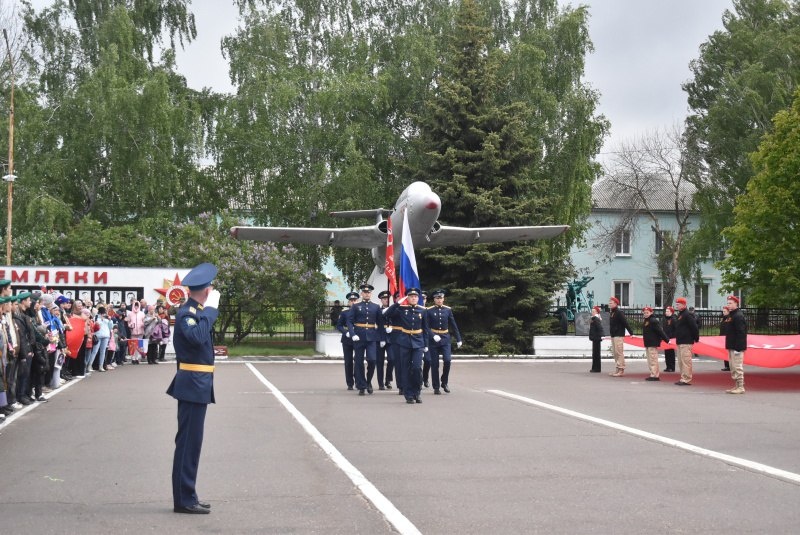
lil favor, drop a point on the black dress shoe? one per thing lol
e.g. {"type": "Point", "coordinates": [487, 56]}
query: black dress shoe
{"type": "Point", "coordinates": [670, 370]}
{"type": "Point", "coordinates": [681, 383]}
{"type": "Point", "coordinates": [360, 391]}
{"type": "Point", "coordinates": [388, 386]}
{"type": "Point", "coordinates": [445, 388]}
{"type": "Point", "coordinates": [381, 387]}
{"type": "Point", "coordinates": [427, 384]}
{"type": "Point", "coordinates": [652, 379]}
{"type": "Point", "coordinates": [369, 390]}
{"type": "Point", "coordinates": [437, 392]}
{"type": "Point", "coordinates": [204, 505]}
{"type": "Point", "coordinates": [350, 387]}
{"type": "Point", "coordinates": [195, 509]}
{"type": "Point", "coordinates": [417, 400]}
{"type": "Point", "coordinates": [725, 369]}
{"type": "Point", "coordinates": [409, 400]}
{"type": "Point", "coordinates": [594, 371]}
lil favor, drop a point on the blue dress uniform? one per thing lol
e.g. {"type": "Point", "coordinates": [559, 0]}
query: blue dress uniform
{"type": "Point", "coordinates": [384, 349]}
{"type": "Point", "coordinates": [347, 343]}
{"type": "Point", "coordinates": [441, 323]}
{"type": "Point", "coordinates": [411, 324]}
{"type": "Point", "coordinates": [193, 387]}
{"type": "Point", "coordinates": [362, 321]}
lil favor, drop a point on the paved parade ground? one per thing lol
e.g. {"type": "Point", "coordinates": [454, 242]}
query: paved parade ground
{"type": "Point", "coordinates": [517, 447]}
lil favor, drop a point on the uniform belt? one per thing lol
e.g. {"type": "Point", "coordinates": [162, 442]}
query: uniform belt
{"type": "Point", "coordinates": [409, 331]}
{"type": "Point", "coordinates": [367, 325]}
{"type": "Point", "coordinates": [438, 331]}
{"type": "Point", "coordinates": [196, 367]}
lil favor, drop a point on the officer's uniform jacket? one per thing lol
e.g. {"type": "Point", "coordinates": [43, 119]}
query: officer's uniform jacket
{"type": "Point", "coordinates": [686, 331]}
{"type": "Point", "coordinates": [441, 322]}
{"type": "Point", "coordinates": [736, 332]}
{"type": "Point", "coordinates": [652, 333]}
{"type": "Point", "coordinates": [341, 326]}
{"type": "Point", "coordinates": [194, 347]}
{"type": "Point", "coordinates": [410, 324]}
{"type": "Point", "coordinates": [364, 320]}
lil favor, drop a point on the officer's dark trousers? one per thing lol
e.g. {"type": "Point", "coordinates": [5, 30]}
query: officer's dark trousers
{"type": "Point", "coordinates": [347, 349]}
{"type": "Point", "coordinates": [399, 368]}
{"type": "Point", "coordinates": [11, 376]}
{"type": "Point", "coordinates": [363, 349]}
{"type": "Point", "coordinates": [188, 442]}
{"type": "Point", "coordinates": [596, 355]}
{"type": "Point", "coordinates": [669, 358]}
{"type": "Point", "coordinates": [426, 365]}
{"type": "Point", "coordinates": [444, 351]}
{"type": "Point", "coordinates": [412, 366]}
{"type": "Point", "coordinates": [389, 364]}
{"type": "Point", "coordinates": [380, 357]}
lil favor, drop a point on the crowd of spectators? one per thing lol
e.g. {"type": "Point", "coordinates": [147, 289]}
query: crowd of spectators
{"type": "Point", "coordinates": [48, 339]}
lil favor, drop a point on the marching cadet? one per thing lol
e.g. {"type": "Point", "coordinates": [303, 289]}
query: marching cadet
{"type": "Point", "coordinates": [383, 348]}
{"type": "Point", "coordinates": [362, 323]}
{"type": "Point", "coordinates": [411, 322]}
{"type": "Point", "coordinates": [426, 356]}
{"type": "Point", "coordinates": [347, 343]}
{"type": "Point", "coordinates": [394, 333]}
{"type": "Point", "coordinates": [617, 327]}
{"type": "Point", "coordinates": [736, 343]}
{"type": "Point", "coordinates": [440, 323]}
{"type": "Point", "coordinates": [193, 384]}
{"type": "Point", "coordinates": [652, 334]}
{"type": "Point", "coordinates": [686, 334]}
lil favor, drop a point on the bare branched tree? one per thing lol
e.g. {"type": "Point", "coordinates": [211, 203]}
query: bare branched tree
{"type": "Point", "coordinates": [650, 178]}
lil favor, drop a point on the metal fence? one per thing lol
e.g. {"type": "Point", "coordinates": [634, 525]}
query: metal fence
{"type": "Point", "coordinates": [759, 320]}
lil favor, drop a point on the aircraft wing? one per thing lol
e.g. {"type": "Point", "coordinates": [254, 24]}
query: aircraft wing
{"type": "Point", "coordinates": [356, 237]}
{"type": "Point", "coordinates": [445, 236]}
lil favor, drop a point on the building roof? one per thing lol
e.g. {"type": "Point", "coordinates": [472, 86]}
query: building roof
{"type": "Point", "coordinates": [660, 194]}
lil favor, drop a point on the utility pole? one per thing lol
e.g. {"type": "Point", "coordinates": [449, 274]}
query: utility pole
{"type": "Point", "coordinates": [10, 176]}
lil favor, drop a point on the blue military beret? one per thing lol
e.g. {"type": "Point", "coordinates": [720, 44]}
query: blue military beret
{"type": "Point", "coordinates": [352, 295]}
{"type": "Point", "coordinates": [412, 291]}
{"type": "Point", "coordinates": [200, 277]}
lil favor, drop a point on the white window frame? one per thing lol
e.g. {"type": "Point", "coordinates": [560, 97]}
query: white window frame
{"type": "Point", "coordinates": [623, 302]}
{"type": "Point", "coordinates": [622, 243]}
{"type": "Point", "coordinates": [658, 296]}
{"type": "Point", "coordinates": [703, 295]}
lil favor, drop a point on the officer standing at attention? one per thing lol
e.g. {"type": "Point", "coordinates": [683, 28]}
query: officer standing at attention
{"type": "Point", "coordinates": [383, 348]}
{"type": "Point", "coordinates": [411, 323]}
{"type": "Point", "coordinates": [394, 334]}
{"type": "Point", "coordinates": [193, 385]}
{"type": "Point", "coordinates": [362, 323]}
{"type": "Point", "coordinates": [347, 343]}
{"type": "Point", "coordinates": [441, 322]}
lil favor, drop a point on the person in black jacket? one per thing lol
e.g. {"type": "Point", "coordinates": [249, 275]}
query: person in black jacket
{"type": "Point", "coordinates": [617, 326]}
{"type": "Point", "coordinates": [736, 343]}
{"type": "Point", "coordinates": [686, 334]}
{"type": "Point", "coordinates": [652, 334]}
{"type": "Point", "coordinates": [669, 330]}
{"type": "Point", "coordinates": [723, 328]}
{"type": "Point", "coordinates": [596, 336]}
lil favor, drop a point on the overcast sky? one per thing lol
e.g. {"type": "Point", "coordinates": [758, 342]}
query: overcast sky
{"type": "Point", "coordinates": [642, 54]}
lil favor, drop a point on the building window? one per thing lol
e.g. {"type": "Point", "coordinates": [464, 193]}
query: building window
{"type": "Point", "coordinates": [622, 291]}
{"type": "Point", "coordinates": [701, 295]}
{"type": "Point", "coordinates": [623, 245]}
{"type": "Point", "coordinates": [658, 298]}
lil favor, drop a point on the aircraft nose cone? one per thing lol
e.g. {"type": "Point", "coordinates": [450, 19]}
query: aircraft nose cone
{"type": "Point", "coordinates": [433, 202]}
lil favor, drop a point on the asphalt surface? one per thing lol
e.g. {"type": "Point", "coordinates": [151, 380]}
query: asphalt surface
{"type": "Point", "coordinates": [97, 457]}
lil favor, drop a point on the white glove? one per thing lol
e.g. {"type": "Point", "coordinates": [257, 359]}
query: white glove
{"type": "Point", "coordinates": [384, 310]}
{"type": "Point", "coordinates": [425, 350]}
{"type": "Point", "coordinates": [402, 299]}
{"type": "Point", "coordinates": [437, 338]}
{"type": "Point", "coordinates": [347, 334]}
{"type": "Point", "coordinates": [356, 338]}
{"type": "Point", "coordinates": [383, 344]}
{"type": "Point", "coordinates": [459, 343]}
{"type": "Point", "coordinates": [388, 329]}
{"type": "Point", "coordinates": [213, 299]}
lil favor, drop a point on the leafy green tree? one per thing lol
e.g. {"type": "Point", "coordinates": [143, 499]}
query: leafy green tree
{"type": "Point", "coordinates": [252, 277]}
{"type": "Point", "coordinates": [764, 256]}
{"type": "Point", "coordinates": [485, 148]}
{"type": "Point", "coordinates": [745, 74]}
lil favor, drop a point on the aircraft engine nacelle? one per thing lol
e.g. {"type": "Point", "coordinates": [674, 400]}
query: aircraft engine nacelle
{"type": "Point", "coordinates": [379, 253]}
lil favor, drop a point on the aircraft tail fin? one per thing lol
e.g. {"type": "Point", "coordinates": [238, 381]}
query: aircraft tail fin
{"type": "Point", "coordinates": [377, 213]}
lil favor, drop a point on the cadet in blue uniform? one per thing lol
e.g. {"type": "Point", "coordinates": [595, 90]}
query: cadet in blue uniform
{"type": "Point", "coordinates": [362, 323]}
{"type": "Point", "coordinates": [383, 347]}
{"type": "Point", "coordinates": [411, 323]}
{"type": "Point", "coordinates": [392, 337]}
{"type": "Point", "coordinates": [193, 385]}
{"type": "Point", "coordinates": [347, 343]}
{"type": "Point", "coordinates": [441, 324]}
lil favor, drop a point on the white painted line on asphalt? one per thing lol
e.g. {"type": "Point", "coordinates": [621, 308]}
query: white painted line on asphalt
{"type": "Point", "coordinates": [26, 409]}
{"type": "Point", "coordinates": [370, 492]}
{"type": "Point", "coordinates": [752, 466]}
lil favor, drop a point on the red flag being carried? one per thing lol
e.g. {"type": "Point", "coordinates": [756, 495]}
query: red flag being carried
{"type": "Point", "coordinates": [389, 265]}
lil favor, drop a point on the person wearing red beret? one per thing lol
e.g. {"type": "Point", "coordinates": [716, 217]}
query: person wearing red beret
{"type": "Point", "coordinates": [618, 325]}
{"type": "Point", "coordinates": [736, 343]}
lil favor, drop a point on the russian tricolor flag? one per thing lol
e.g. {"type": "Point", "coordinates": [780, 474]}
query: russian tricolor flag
{"type": "Point", "coordinates": [409, 276]}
